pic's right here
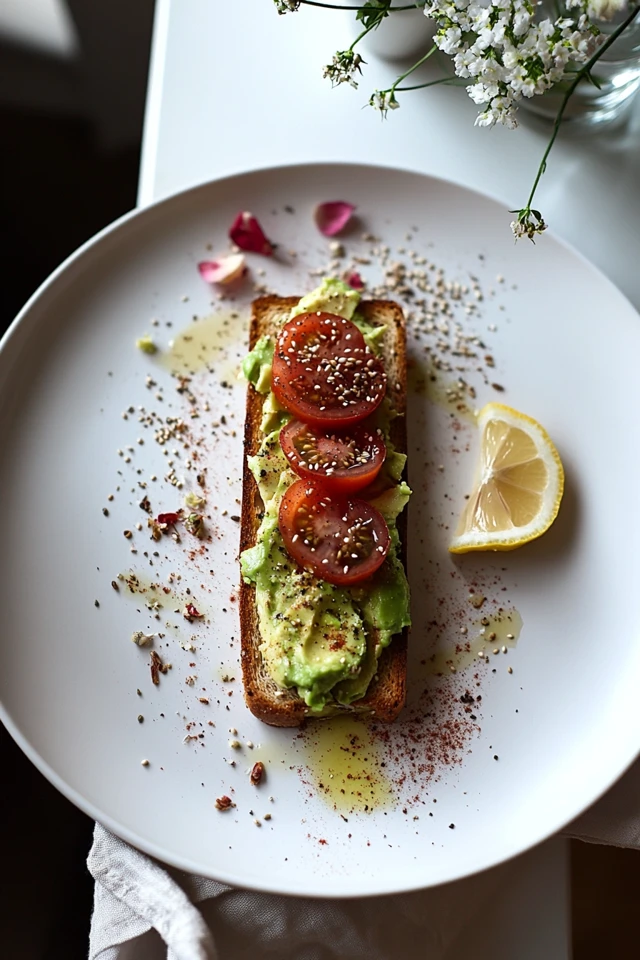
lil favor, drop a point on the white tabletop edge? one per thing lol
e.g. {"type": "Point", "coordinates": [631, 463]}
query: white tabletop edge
{"type": "Point", "coordinates": [153, 106]}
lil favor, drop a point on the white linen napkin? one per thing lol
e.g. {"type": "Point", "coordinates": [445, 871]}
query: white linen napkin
{"type": "Point", "coordinates": [135, 894]}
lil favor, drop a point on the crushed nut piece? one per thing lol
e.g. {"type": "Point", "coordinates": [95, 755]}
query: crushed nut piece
{"type": "Point", "coordinates": [257, 773]}
{"type": "Point", "coordinates": [142, 639]}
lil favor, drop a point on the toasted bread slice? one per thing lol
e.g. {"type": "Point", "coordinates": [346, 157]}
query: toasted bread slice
{"type": "Point", "coordinates": [385, 697]}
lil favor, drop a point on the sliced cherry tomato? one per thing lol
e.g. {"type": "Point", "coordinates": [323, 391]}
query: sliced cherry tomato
{"type": "Point", "coordinates": [343, 461]}
{"type": "Point", "coordinates": [341, 539]}
{"type": "Point", "coordinates": [324, 373]}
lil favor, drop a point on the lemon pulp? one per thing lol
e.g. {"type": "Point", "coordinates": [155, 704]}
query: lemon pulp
{"type": "Point", "coordinates": [518, 486]}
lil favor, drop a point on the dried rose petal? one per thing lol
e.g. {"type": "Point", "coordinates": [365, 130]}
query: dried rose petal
{"type": "Point", "coordinates": [332, 217]}
{"type": "Point", "coordinates": [247, 234]}
{"type": "Point", "coordinates": [355, 280]}
{"type": "Point", "coordinates": [190, 612]}
{"type": "Point", "coordinates": [169, 519]}
{"type": "Point", "coordinates": [223, 270]}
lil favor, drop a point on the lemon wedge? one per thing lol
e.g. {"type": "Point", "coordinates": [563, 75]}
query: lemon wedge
{"type": "Point", "coordinates": [518, 486]}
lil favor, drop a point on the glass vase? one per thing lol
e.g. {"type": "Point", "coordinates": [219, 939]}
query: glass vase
{"type": "Point", "coordinates": [616, 76]}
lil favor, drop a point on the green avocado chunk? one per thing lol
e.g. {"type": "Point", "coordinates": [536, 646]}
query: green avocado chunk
{"type": "Point", "coordinates": [317, 637]}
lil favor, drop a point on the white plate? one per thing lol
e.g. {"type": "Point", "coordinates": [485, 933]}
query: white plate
{"type": "Point", "coordinates": [564, 723]}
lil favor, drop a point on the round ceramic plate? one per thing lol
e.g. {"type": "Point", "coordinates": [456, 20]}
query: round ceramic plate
{"type": "Point", "coordinates": [495, 750]}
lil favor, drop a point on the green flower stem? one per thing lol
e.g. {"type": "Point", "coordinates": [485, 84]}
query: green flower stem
{"type": "Point", "coordinates": [414, 67]}
{"type": "Point", "coordinates": [570, 90]}
{"type": "Point", "coordinates": [363, 34]}
{"type": "Point", "coordinates": [392, 89]}
{"type": "Point", "coordinates": [454, 81]}
{"type": "Point", "coordinates": [375, 23]}
{"type": "Point", "coordinates": [332, 6]}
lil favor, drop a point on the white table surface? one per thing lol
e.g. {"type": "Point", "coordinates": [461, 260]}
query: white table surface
{"type": "Point", "coordinates": [233, 86]}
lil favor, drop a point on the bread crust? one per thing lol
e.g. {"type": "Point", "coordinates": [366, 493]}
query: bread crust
{"type": "Point", "coordinates": [386, 694]}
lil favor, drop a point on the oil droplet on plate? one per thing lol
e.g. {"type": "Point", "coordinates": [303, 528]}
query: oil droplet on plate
{"type": "Point", "coordinates": [498, 630]}
{"type": "Point", "coordinates": [450, 395]}
{"type": "Point", "coordinates": [346, 767]}
{"type": "Point", "coordinates": [208, 342]}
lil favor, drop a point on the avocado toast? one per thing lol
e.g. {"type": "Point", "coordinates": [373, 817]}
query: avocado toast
{"type": "Point", "coordinates": [296, 661]}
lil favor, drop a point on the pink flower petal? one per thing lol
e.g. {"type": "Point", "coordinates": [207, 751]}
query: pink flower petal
{"type": "Point", "coordinates": [247, 234]}
{"type": "Point", "coordinates": [354, 280]}
{"type": "Point", "coordinates": [224, 270]}
{"type": "Point", "coordinates": [332, 217]}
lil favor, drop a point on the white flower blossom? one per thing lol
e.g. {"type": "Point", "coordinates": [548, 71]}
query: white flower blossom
{"type": "Point", "coordinates": [384, 100]}
{"type": "Point", "coordinates": [343, 67]}
{"type": "Point", "coordinates": [507, 52]}
{"type": "Point", "coordinates": [287, 6]}
{"type": "Point", "coordinates": [528, 224]}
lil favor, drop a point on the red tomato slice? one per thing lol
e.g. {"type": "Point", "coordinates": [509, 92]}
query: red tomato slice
{"type": "Point", "coordinates": [341, 539]}
{"type": "Point", "coordinates": [343, 461]}
{"type": "Point", "coordinates": [324, 373]}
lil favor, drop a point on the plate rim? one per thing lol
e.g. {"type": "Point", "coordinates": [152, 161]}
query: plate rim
{"type": "Point", "coordinates": [89, 808]}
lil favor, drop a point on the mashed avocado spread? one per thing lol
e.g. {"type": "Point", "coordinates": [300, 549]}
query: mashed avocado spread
{"type": "Point", "coordinates": [316, 637]}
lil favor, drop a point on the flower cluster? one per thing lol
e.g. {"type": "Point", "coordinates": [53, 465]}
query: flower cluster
{"type": "Point", "coordinates": [343, 68]}
{"type": "Point", "coordinates": [506, 52]}
{"type": "Point", "coordinates": [287, 6]}
{"type": "Point", "coordinates": [529, 223]}
{"type": "Point", "coordinates": [383, 100]}
{"type": "Point", "coordinates": [502, 51]}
